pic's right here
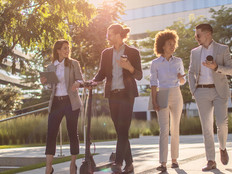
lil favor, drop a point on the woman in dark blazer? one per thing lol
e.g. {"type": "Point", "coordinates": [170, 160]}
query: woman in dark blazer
{"type": "Point", "coordinates": [64, 100]}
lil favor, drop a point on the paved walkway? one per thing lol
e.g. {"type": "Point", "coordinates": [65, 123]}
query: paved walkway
{"type": "Point", "coordinates": [145, 154]}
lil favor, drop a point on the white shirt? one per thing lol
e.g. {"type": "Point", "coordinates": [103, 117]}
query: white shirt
{"type": "Point", "coordinates": [164, 73]}
{"type": "Point", "coordinates": [61, 89]}
{"type": "Point", "coordinates": [117, 72]}
{"type": "Point", "coordinates": [206, 76]}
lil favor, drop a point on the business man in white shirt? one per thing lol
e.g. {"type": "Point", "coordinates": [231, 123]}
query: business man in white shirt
{"type": "Point", "coordinates": [209, 86]}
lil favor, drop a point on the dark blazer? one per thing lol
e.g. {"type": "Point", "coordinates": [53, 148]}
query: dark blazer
{"type": "Point", "coordinates": [106, 67]}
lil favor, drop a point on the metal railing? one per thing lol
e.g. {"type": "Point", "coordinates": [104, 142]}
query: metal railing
{"type": "Point", "coordinates": [82, 114]}
{"type": "Point", "coordinates": [21, 110]}
{"type": "Point", "coordinates": [24, 114]}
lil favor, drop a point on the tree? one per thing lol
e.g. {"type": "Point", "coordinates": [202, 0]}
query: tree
{"type": "Point", "coordinates": [34, 25]}
{"type": "Point", "coordinates": [222, 25]}
{"type": "Point", "coordinates": [10, 100]}
{"type": "Point", "coordinates": [90, 40]}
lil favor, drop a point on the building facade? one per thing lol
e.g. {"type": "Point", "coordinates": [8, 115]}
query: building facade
{"type": "Point", "coordinates": [153, 15]}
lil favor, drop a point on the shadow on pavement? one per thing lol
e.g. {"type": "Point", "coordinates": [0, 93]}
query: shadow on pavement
{"type": "Point", "coordinates": [180, 171]}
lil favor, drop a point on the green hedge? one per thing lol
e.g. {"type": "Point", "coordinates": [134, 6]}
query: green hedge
{"type": "Point", "coordinates": [32, 129]}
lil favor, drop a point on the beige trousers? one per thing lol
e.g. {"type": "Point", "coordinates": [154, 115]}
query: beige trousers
{"type": "Point", "coordinates": [209, 102]}
{"type": "Point", "coordinates": [174, 109]}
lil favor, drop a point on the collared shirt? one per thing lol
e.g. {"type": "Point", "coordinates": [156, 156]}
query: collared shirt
{"type": "Point", "coordinates": [117, 79]}
{"type": "Point", "coordinates": [206, 76]}
{"type": "Point", "coordinates": [61, 89]}
{"type": "Point", "coordinates": [164, 73]}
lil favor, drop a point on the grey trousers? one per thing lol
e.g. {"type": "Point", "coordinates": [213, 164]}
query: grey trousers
{"type": "Point", "coordinates": [209, 103]}
{"type": "Point", "coordinates": [174, 110]}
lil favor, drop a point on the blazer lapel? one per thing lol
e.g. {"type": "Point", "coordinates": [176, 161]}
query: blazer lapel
{"type": "Point", "coordinates": [66, 75]}
{"type": "Point", "coordinates": [126, 52]}
{"type": "Point", "coordinates": [215, 50]}
{"type": "Point", "coordinates": [198, 56]}
{"type": "Point", "coordinates": [110, 59]}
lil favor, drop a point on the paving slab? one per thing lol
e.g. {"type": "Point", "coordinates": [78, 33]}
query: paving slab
{"type": "Point", "coordinates": [145, 152]}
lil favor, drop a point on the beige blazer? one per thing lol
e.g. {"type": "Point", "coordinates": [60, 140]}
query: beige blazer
{"type": "Point", "coordinates": [71, 73]}
{"type": "Point", "coordinates": [223, 59]}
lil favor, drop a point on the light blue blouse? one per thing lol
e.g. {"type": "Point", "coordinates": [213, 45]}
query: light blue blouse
{"type": "Point", "coordinates": [164, 73]}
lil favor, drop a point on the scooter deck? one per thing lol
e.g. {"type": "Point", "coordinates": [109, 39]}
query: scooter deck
{"type": "Point", "coordinates": [102, 166]}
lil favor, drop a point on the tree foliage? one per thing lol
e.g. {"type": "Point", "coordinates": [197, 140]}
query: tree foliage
{"type": "Point", "coordinates": [90, 40]}
{"type": "Point", "coordinates": [10, 100]}
{"type": "Point", "coordinates": [222, 24]}
{"type": "Point", "coordinates": [221, 21]}
{"type": "Point", "coordinates": [34, 25]}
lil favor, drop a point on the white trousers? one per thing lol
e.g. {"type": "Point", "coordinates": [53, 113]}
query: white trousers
{"type": "Point", "coordinates": [174, 110]}
{"type": "Point", "coordinates": [209, 102]}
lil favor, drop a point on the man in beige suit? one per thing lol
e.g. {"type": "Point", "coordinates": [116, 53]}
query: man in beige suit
{"type": "Point", "coordinates": [209, 86]}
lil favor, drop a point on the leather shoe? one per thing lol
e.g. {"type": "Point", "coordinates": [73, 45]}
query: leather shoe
{"type": "Point", "coordinates": [224, 156]}
{"type": "Point", "coordinates": [161, 168]}
{"type": "Point", "coordinates": [116, 168]}
{"type": "Point", "coordinates": [128, 169]}
{"type": "Point", "coordinates": [174, 165]}
{"type": "Point", "coordinates": [210, 165]}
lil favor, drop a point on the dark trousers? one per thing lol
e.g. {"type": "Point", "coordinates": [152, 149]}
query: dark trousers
{"type": "Point", "coordinates": [121, 109]}
{"type": "Point", "coordinates": [58, 110]}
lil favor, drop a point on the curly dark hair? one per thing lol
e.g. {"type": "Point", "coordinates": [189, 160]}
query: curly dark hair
{"type": "Point", "coordinates": [160, 39]}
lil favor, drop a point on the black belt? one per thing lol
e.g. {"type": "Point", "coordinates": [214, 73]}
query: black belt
{"type": "Point", "coordinates": [206, 86]}
{"type": "Point", "coordinates": [61, 97]}
{"type": "Point", "coordinates": [115, 91]}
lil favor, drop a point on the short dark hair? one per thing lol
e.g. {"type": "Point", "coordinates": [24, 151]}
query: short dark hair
{"type": "Point", "coordinates": [160, 39]}
{"type": "Point", "coordinates": [119, 29]}
{"type": "Point", "coordinates": [205, 27]}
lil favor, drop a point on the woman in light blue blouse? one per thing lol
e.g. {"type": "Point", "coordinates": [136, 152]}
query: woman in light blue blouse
{"type": "Point", "coordinates": [167, 74]}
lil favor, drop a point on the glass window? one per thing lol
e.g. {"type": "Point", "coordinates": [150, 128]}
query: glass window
{"type": "Point", "coordinates": [207, 4]}
{"type": "Point", "coordinates": [188, 5]}
{"type": "Point", "coordinates": [223, 2]}
{"type": "Point", "coordinates": [214, 3]}
{"type": "Point", "coordinates": [179, 6]}
{"type": "Point", "coordinates": [138, 13]}
{"type": "Point", "coordinates": [157, 10]}
{"type": "Point", "coordinates": [128, 15]}
{"type": "Point", "coordinates": [168, 8]}
{"type": "Point", "coordinates": [148, 12]}
{"type": "Point", "coordinates": [174, 7]}
{"type": "Point", "coordinates": [199, 4]}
